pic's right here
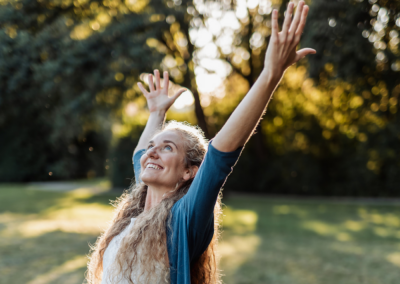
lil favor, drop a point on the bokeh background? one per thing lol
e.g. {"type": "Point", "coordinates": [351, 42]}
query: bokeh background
{"type": "Point", "coordinates": [313, 196]}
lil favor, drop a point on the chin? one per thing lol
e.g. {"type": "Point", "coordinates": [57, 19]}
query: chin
{"type": "Point", "coordinates": [150, 180]}
{"type": "Point", "coordinates": [147, 180]}
{"type": "Point", "coordinates": [154, 182]}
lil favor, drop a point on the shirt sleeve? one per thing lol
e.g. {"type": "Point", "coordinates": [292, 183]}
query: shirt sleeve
{"type": "Point", "coordinates": [136, 164]}
{"type": "Point", "coordinates": [200, 200]}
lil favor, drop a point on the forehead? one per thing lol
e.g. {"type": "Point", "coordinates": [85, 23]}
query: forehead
{"type": "Point", "coordinates": [168, 135]}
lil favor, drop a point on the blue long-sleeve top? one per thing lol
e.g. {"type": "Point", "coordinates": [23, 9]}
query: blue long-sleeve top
{"type": "Point", "coordinates": [192, 217]}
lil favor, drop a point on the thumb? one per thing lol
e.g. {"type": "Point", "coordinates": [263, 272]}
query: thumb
{"type": "Point", "coordinates": [177, 94]}
{"type": "Point", "coordinates": [303, 53]}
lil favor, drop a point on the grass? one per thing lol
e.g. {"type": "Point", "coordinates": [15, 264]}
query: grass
{"type": "Point", "coordinates": [310, 242]}
{"type": "Point", "coordinates": [44, 237]}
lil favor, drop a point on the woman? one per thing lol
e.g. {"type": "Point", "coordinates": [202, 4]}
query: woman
{"type": "Point", "coordinates": [165, 227]}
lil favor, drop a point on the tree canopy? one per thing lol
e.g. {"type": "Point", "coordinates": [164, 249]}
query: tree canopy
{"type": "Point", "coordinates": [70, 108]}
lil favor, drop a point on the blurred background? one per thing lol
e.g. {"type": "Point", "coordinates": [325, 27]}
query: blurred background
{"type": "Point", "coordinates": [313, 198]}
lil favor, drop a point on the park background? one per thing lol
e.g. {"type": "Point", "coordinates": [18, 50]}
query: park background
{"type": "Point", "coordinates": [313, 196]}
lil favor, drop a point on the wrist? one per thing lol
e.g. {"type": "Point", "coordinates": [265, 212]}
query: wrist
{"type": "Point", "coordinates": [156, 119]}
{"type": "Point", "coordinates": [158, 113]}
{"type": "Point", "coordinates": [270, 78]}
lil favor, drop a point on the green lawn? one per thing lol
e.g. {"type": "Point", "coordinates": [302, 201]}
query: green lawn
{"type": "Point", "coordinates": [44, 237]}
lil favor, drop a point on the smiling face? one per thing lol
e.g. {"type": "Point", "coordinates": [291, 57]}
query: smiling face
{"type": "Point", "coordinates": [163, 163]}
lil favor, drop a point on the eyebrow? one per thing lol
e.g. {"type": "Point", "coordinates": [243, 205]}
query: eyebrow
{"type": "Point", "coordinates": [165, 141]}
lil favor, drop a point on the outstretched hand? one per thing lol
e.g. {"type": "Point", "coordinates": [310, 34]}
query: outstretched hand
{"type": "Point", "coordinates": [281, 52]}
{"type": "Point", "coordinates": [157, 99]}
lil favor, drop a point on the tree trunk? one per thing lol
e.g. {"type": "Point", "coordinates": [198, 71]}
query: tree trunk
{"type": "Point", "coordinates": [190, 82]}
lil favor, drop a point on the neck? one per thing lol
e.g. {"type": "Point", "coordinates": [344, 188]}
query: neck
{"type": "Point", "coordinates": [154, 197]}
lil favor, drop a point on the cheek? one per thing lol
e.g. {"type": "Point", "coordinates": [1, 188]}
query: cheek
{"type": "Point", "coordinates": [174, 162]}
{"type": "Point", "coordinates": [179, 169]}
{"type": "Point", "coordinates": [143, 160]}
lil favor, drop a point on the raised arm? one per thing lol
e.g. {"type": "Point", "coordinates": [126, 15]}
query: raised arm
{"type": "Point", "coordinates": [158, 103]}
{"type": "Point", "coordinates": [281, 54]}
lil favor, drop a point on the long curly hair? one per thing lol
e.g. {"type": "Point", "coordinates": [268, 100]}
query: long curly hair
{"type": "Point", "coordinates": [148, 233]}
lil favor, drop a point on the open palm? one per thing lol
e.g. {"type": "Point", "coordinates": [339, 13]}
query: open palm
{"type": "Point", "coordinates": [157, 99]}
{"type": "Point", "coordinates": [281, 52]}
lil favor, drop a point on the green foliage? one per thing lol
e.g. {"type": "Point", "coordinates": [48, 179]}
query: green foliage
{"type": "Point", "coordinates": [335, 130]}
{"type": "Point", "coordinates": [65, 68]}
{"type": "Point", "coordinates": [67, 91]}
{"type": "Point", "coordinates": [334, 29]}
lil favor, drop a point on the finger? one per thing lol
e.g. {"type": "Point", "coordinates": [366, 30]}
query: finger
{"type": "Point", "coordinates": [177, 94]}
{"type": "Point", "coordinates": [143, 89]}
{"type": "Point", "coordinates": [166, 80]}
{"type": "Point", "coordinates": [157, 76]}
{"type": "Point", "coordinates": [296, 19]}
{"type": "Point", "coordinates": [302, 24]}
{"type": "Point", "coordinates": [275, 23]}
{"type": "Point", "coordinates": [303, 53]}
{"type": "Point", "coordinates": [151, 84]}
{"type": "Point", "coordinates": [288, 19]}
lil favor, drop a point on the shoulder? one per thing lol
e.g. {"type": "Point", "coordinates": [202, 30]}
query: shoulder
{"type": "Point", "coordinates": [228, 158]}
{"type": "Point", "coordinates": [137, 155]}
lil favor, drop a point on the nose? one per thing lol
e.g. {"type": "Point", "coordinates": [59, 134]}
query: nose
{"type": "Point", "coordinates": [152, 152]}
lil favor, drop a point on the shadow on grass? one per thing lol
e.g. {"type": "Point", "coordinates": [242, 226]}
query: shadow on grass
{"type": "Point", "coordinates": [27, 200]}
{"type": "Point", "coordinates": [52, 257]}
{"type": "Point", "coordinates": [306, 242]}
{"type": "Point", "coordinates": [44, 235]}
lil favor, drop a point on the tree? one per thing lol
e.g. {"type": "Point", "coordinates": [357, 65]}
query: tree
{"type": "Point", "coordinates": [67, 68]}
{"type": "Point", "coordinates": [321, 134]}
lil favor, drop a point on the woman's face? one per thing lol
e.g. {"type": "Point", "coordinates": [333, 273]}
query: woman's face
{"type": "Point", "coordinates": [163, 162]}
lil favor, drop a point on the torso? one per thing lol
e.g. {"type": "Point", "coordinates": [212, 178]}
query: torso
{"type": "Point", "coordinates": [110, 255]}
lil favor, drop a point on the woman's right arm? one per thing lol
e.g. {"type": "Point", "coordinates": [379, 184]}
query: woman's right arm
{"type": "Point", "coordinates": [158, 103]}
{"type": "Point", "coordinates": [154, 123]}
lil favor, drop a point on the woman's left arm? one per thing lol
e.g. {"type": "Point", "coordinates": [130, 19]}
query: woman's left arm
{"type": "Point", "coordinates": [281, 54]}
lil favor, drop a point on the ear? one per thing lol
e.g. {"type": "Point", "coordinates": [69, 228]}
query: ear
{"type": "Point", "coordinates": [190, 173]}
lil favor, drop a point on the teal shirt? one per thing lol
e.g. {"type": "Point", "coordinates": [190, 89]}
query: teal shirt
{"type": "Point", "coordinates": [192, 217]}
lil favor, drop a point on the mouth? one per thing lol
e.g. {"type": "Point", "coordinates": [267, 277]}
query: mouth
{"type": "Point", "coordinates": [154, 166]}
